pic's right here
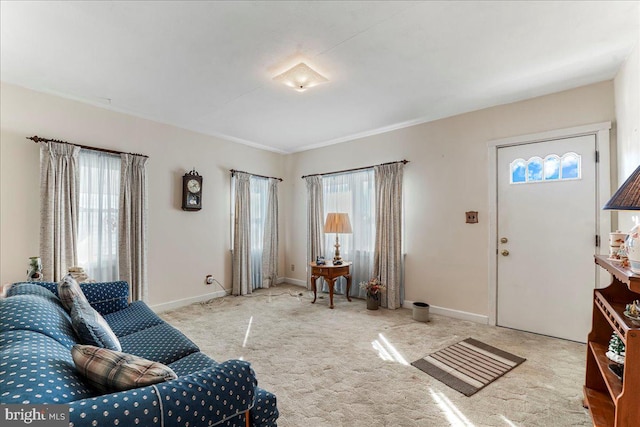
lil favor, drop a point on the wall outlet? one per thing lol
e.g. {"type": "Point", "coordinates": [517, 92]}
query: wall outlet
{"type": "Point", "coordinates": [293, 267]}
{"type": "Point", "coordinates": [209, 279]}
{"type": "Point", "coordinates": [472, 217]}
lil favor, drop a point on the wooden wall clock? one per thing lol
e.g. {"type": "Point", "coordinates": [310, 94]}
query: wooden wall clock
{"type": "Point", "coordinates": [192, 191]}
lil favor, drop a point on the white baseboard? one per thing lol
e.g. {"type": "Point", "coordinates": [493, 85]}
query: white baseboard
{"type": "Point", "coordinates": [172, 305]}
{"type": "Point", "coordinates": [292, 281]}
{"type": "Point", "coordinates": [449, 312]}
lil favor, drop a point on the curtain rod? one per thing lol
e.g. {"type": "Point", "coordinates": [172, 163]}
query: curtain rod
{"type": "Point", "coordinates": [404, 162]}
{"type": "Point", "coordinates": [37, 139]}
{"type": "Point", "coordinates": [233, 171]}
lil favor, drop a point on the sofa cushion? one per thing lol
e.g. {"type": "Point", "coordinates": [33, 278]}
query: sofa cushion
{"type": "Point", "coordinates": [35, 368]}
{"type": "Point", "coordinates": [40, 312]}
{"type": "Point", "coordinates": [136, 317]}
{"type": "Point", "coordinates": [192, 363]}
{"type": "Point", "coordinates": [91, 326]}
{"type": "Point", "coordinates": [111, 370]}
{"type": "Point", "coordinates": [162, 343]}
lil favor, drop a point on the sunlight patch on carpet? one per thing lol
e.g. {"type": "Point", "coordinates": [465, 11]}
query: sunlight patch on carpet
{"type": "Point", "coordinates": [468, 366]}
{"type": "Point", "coordinates": [454, 415]}
{"type": "Point", "coordinates": [387, 351]}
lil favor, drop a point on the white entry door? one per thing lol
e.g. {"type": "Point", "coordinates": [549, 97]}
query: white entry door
{"type": "Point", "coordinates": [546, 236]}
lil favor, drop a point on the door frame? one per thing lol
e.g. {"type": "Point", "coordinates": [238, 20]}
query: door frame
{"type": "Point", "coordinates": [603, 193]}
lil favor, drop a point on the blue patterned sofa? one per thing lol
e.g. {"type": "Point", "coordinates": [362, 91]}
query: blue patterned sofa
{"type": "Point", "coordinates": [36, 366]}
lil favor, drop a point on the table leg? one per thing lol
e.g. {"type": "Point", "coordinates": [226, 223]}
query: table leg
{"type": "Point", "coordinates": [331, 282]}
{"type": "Point", "coordinates": [348, 277]}
{"type": "Point", "coordinates": [313, 286]}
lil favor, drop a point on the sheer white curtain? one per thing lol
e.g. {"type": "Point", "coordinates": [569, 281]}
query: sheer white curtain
{"type": "Point", "coordinates": [98, 202]}
{"type": "Point", "coordinates": [353, 193]}
{"type": "Point", "coordinates": [259, 189]}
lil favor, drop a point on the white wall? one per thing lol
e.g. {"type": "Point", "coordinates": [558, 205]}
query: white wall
{"type": "Point", "coordinates": [627, 108]}
{"type": "Point", "coordinates": [183, 246]}
{"type": "Point", "coordinates": [447, 260]}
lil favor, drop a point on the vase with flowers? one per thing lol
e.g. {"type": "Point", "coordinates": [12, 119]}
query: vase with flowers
{"type": "Point", "coordinates": [374, 289]}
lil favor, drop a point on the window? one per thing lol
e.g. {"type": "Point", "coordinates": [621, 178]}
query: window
{"type": "Point", "coordinates": [353, 193]}
{"type": "Point", "coordinates": [551, 168]}
{"type": "Point", "coordinates": [98, 204]}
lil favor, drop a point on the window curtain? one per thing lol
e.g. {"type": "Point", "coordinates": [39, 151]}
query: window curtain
{"type": "Point", "coordinates": [258, 188]}
{"type": "Point", "coordinates": [58, 208]}
{"type": "Point", "coordinates": [241, 258]}
{"type": "Point", "coordinates": [270, 236]}
{"type": "Point", "coordinates": [132, 229]}
{"type": "Point", "coordinates": [353, 193]}
{"type": "Point", "coordinates": [388, 244]}
{"type": "Point", "coordinates": [315, 221]}
{"type": "Point", "coordinates": [98, 205]}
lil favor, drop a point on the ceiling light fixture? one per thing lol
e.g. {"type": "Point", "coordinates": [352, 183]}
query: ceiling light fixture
{"type": "Point", "coordinates": [301, 77]}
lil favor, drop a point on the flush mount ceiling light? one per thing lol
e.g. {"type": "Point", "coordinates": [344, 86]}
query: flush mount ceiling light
{"type": "Point", "coordinates": [301, 77]}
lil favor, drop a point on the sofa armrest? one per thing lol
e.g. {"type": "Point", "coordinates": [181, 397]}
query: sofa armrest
{"type": "Point", "coordinates": [210, 396]}
{"type": "Point", "coordinates": [205, 398]}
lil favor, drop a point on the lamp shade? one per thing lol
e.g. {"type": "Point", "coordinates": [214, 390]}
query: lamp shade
{"type": "Point", "coordinates": [337, 223]}
{"type": "Point", "coordinates": [627, 198]}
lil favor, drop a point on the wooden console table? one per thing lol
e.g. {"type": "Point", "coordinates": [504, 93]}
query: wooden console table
{"type": "Point", "coordinates": [330, 273]}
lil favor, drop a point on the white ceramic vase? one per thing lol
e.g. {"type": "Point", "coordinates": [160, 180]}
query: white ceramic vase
{"type": "Point", "coordinates": [633, 249]}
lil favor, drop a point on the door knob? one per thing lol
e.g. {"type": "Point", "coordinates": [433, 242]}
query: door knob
{"type": "Point", "coordinates": [504, 240]}
{"type": "Point", "coordinates": [505, 252]}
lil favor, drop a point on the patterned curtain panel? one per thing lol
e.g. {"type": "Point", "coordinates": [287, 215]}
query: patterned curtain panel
{"type": "Point", "coordinates": [270, 237]}
{"type": "Point", "coordinates": [315, 221]}
{"type": "Point", "coordinates": [241, 259]}
{"type": "Point", "coordinates": [132, 238]}
{"type": "Point", "coordinates": [388, 249]}
{"type": "Point", "coordinates": [58, 208]}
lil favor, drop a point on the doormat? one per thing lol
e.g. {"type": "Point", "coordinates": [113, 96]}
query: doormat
{"type": "Point", "coordinates": [468, 366]}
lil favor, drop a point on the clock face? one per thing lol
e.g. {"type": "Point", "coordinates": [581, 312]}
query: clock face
{"type": "Point", "coordinates": [193, 186]}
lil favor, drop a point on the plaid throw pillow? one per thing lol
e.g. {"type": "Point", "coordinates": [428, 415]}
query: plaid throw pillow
{"type": "Point", "coordinates": [111, 371]}
{"type": "Point", "coordinates": [69, 291]}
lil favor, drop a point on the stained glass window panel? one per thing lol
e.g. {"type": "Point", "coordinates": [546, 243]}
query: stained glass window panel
{"type": "Point", "coordinates": [551, 167]}
{"type": "Point", "coordinates": [518, 168]}
{"type": "Point", "coordinates": [571, 166]}
{"type": "Point", "coordinates": [534, 169]}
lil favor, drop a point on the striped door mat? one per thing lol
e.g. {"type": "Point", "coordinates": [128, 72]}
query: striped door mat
{"type": "Point", "coordinates": [468, 365]}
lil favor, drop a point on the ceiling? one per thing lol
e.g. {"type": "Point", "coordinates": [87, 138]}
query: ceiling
{"type": "Point", "coordinates": [208, 66]}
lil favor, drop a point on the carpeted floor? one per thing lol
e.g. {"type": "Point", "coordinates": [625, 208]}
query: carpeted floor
{"type": "Point", "coordinates": [350, 366]}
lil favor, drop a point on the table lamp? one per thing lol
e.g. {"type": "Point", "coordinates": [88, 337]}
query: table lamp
{"type": "Point", "coordinates": [337, 223]}
{"type": "Point", "coordinates": [627, 198]}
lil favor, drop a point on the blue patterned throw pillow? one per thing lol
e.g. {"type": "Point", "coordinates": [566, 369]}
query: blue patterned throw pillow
{"type": "Point", "coordinates": [91, 327]}
{"type": "Point", "coordinates": [112, 371]}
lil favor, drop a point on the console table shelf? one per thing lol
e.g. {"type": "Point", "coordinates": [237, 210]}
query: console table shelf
{"type": "Point", "coordinates": [612, 402]}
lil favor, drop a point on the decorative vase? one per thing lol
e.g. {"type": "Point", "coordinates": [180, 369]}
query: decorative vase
{"type": "Point", "coordinates": [34, 271]}
{"type": "Point", "coordinates": [372, 302]}
{"type": "Point", "coordinates": [632, 244]}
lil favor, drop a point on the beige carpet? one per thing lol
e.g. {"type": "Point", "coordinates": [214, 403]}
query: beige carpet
{"type": "Point", "coordinates": [328, 368]}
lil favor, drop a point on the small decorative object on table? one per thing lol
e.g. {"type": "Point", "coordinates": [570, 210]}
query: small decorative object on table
{"type": "Point", "coordinates": [320, 260]}
{"type": "Point", "coordinates": [34, 271]}
{"type": "Point", "coordinates": [374, 288]}
{"type": "Point", "coordinates": [616, 349]}
{"type": "Point", "coordinates": [632, 311]}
